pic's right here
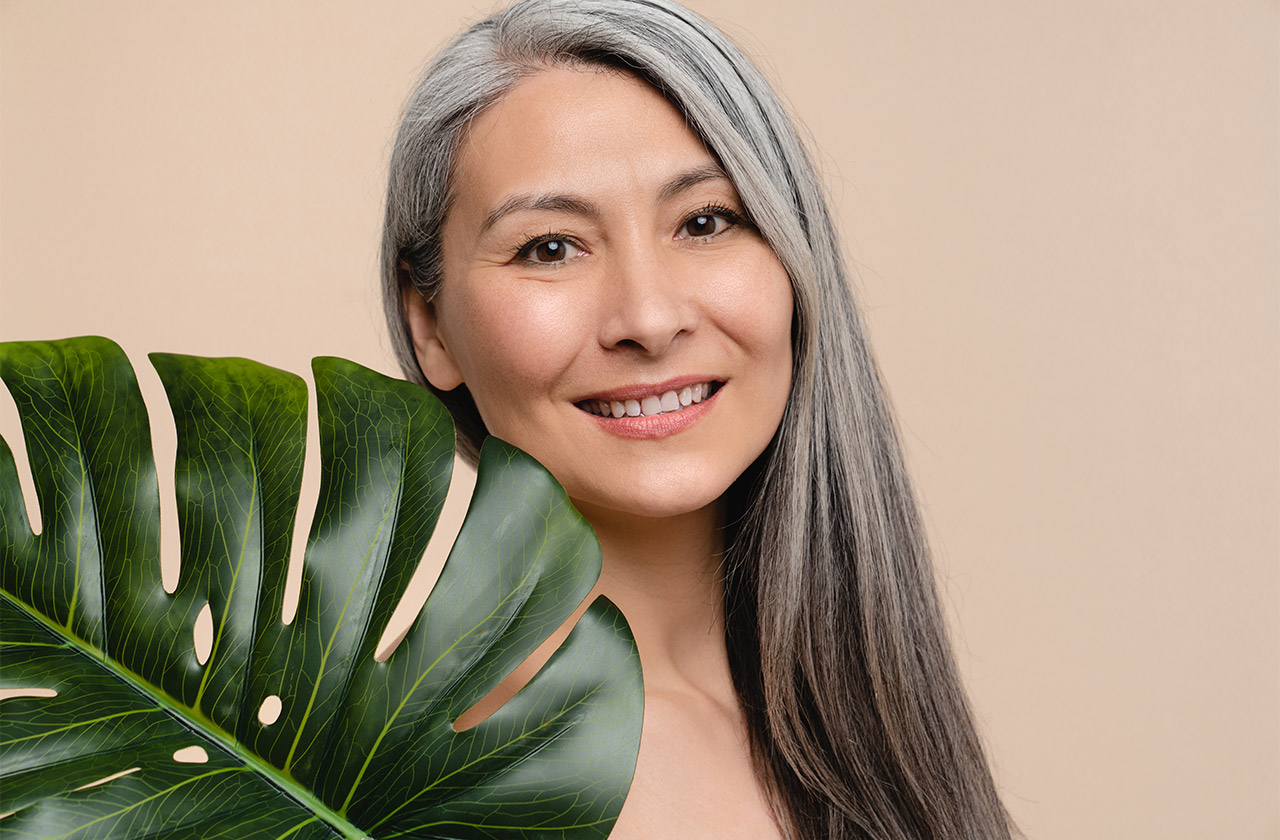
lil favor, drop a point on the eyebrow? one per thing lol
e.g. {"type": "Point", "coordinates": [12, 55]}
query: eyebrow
{"type": "Point", "coordinates": [530, 201]}
{"type": "Point", "coordinates": [579, 206]}
{"type": "Point", "coordinates": [691, 179]}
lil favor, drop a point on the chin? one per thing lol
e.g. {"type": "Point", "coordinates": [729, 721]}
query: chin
{"type": "Point", "coordinates": [658, 498]}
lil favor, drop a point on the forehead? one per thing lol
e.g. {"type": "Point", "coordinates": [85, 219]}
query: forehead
{"type": "Point", "coordinates": [588, 130]}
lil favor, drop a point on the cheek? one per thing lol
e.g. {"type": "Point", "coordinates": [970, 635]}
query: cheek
{"type": "Point", "coordinates": [510, 343]}
{"type": "Point", "coordinates": [775, 317]}
{"type": "Point", "coordinates": [772, 338]}
{"type": "Point", "coordinates": [753, 301]}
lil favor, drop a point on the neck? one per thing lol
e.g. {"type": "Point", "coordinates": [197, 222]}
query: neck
{"type": "Point", "coordinates": [666, 577]}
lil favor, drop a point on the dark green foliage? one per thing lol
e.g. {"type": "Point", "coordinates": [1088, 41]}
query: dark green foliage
{"type": "Point", "coordinates": [362, 748]}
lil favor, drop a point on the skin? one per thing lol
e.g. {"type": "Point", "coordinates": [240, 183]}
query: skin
{"type": "Point", "coordinates": [650, 278]}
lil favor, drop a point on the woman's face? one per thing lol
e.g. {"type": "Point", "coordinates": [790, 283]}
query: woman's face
{"type": "Point", "coordinates": [597, 263]}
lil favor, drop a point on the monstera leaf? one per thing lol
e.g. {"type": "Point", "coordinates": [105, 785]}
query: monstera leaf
{"type": "Point", "coordinates": [360, 748]}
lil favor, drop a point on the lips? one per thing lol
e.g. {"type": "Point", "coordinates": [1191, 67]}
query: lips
{"type": "Point", "coordinates": [653, 411]}
{"type": "Point", "coordinates": [652, 404]}
{"type": "Point", "coordinates": [670, 414]}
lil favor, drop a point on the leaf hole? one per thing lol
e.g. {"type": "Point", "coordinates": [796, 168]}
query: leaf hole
{"type": "Point", "coordinates": [164, 445]}
{"type": "Point", "coordinates": [11, 431]}
{"type": "Point", "coordinates": [191, 755]}
{"type": "Point", "coordinates": [15, 693]}
{"type": "Point", "coordinates": [308, 501]}
{"type": "Point", "coordinates": [461, 487]}
{"type": "Point", "coordinates": [523, 673]}
{"type": "Point", "coordinates": [202, 634]}
{"type": "Point", "coordinates": [110, 778]}
{"type": "Point", "coordinates": [269, 711]}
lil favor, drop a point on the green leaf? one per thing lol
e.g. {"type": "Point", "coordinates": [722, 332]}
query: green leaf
{"type": "Point", "coordinates": [361, 748]}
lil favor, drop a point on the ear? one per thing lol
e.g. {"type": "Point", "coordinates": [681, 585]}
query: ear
{"type": "Point", "coordinates": [433, 356]}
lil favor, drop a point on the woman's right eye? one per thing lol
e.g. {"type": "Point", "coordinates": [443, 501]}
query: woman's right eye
{"type": "Point", "coordinates": [547, 250]}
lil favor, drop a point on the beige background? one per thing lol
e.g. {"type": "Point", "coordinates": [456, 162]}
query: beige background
{"type": "Point", "coordinates": [1065, 216]}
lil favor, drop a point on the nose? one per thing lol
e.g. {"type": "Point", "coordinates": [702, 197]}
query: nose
{"type": "Point", "coordinates": [646, 304]}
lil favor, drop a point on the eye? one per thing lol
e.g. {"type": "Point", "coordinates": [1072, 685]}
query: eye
{"type": "Point", "coordinates": [547, 250]}
{"type": "Point", "coordinates": [705, 225]}
{"type": "Point", "coordinates": [709, 221]}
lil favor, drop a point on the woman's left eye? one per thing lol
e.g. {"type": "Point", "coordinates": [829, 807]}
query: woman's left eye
{"type": "Point", "coordinates": [705, 224]}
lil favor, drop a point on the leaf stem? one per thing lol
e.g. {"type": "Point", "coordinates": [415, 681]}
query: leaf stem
{"type": "Point", "coordinates": [199, 725]}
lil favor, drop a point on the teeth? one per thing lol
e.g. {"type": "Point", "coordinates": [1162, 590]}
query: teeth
{"type": "Point", "coordinates": [664, 403]}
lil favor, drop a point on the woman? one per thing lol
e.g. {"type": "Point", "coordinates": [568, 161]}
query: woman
{"type": "Point", "coordinates": [605, 244]}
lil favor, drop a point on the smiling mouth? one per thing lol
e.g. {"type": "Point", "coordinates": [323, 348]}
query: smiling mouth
{"type": "Point", "coordinates": [652, 405]}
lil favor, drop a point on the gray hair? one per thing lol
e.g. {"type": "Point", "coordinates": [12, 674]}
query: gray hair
{"type": "Point", "coordinates": [858, 721]}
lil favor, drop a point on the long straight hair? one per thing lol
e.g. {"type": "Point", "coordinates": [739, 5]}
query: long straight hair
{"type": "Point", "coordinates": [858, 721]}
